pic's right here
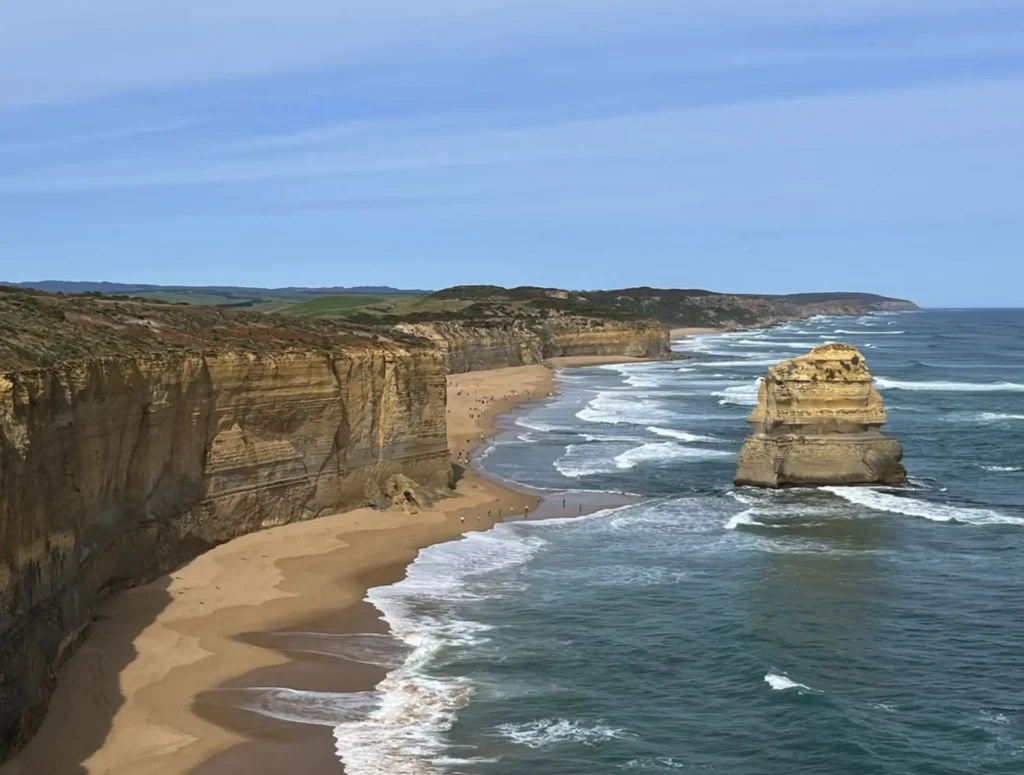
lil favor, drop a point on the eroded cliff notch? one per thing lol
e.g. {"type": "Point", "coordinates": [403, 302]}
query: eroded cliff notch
{"type": "Point", "coordinates": [817, 422]}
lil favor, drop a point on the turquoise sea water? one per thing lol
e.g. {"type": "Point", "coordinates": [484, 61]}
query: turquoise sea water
{"type": "Point", "coordinates": [733, 630]}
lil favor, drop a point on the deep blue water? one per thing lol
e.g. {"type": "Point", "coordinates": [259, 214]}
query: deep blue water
{"type": "Point", "coordinates": [832, 630]}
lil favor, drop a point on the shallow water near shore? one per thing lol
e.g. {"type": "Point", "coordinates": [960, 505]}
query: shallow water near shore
{"type": "Point", "coordinates": [831, 630]}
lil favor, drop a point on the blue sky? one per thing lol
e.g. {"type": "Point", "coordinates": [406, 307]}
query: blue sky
{"type": "Point", "coordinates": [739, 145]}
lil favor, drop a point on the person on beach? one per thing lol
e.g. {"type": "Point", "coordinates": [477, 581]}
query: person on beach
{"type": "Point", "coordinates": [563, 503]}
{"type": "Point", "coordinates": [527, 512]}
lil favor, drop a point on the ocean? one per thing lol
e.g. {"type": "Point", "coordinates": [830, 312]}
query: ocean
{"type": "Point", "coordinates": [713, 628]}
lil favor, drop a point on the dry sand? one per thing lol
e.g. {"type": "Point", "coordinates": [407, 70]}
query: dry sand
{"type": "Point", "coordinates": [126, 703]}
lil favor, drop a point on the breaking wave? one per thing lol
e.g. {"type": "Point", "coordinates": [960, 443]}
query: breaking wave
{"type": "Point", "coordinates": [671, 433]}
{"type": "Point", "coordinates": [936, 512]}
{"type": "Point", "coordinates": [540, 734]}
{"type": "Point", "coordinates": [781, 683]}
{"type": "Point", "coordinates": [884, 383]}
{"type": "Point", "coordinates": [740, 395]}
{"type": "Point", "coordinates": [663, 451]}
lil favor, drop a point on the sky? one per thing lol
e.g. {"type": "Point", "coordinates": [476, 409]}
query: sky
{"type": "Point", "coordinates": [762, 146]}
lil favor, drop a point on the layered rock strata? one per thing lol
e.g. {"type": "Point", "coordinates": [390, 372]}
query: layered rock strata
{"type": "Point", "coordinates": [512, 341]}
{"type": "Point", "coordinates": [817, 422]}
{"type": "Point", "coordinates": [135, 436]}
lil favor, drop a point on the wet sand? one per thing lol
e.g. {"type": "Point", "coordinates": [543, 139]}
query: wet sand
{"type": "Point", "coordinates": [155, 688]}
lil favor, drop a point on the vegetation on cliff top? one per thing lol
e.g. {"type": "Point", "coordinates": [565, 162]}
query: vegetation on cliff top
{"type": "Point", "coordinates": [40, 329]}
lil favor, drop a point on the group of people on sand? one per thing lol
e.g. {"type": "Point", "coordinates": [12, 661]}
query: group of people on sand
{"type": "Point", "coordinates": [526, 512]}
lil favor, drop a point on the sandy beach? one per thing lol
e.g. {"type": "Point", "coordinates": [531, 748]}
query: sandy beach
{"type": "Point", "coordinates": [150, 690]}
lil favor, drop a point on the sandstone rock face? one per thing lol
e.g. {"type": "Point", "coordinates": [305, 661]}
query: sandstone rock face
{"type": "Point", "coordinates": [116, 469]}
{"type": "Point", "coordinates": [817, 422]}
{"type": "Point", "coordinates": [522, 342]}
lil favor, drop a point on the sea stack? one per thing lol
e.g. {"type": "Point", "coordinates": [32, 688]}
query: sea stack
{"type": "Point", "coordinates": [817, 422]}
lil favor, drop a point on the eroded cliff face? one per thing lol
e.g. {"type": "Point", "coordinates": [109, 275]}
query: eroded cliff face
{"type": "Point", "coordinates": [817, 422]}
{"type": "Point", "coordinates": [118, 467]}
{"type": "Point", "coordinates": [471, 346]}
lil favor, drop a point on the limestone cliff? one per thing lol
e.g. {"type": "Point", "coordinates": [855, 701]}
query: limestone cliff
{"type": "Point", "coordinates": [135, 436]}
{"type": "Point", "coordinates": [511, 340]}
{"type": "Point", "coordinates": [817, 422]}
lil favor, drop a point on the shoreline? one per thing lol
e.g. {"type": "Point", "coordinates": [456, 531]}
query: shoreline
{"type": "Point", "coordinates": [209, 627]}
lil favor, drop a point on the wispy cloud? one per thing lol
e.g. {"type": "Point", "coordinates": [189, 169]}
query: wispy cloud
{"type": "Point", "coordinates": [734, 115]}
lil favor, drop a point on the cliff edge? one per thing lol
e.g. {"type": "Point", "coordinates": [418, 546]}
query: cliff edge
{"type": "Point", "coordinates": [134, 436]}
{"type": "Point", "coordinates": [817, 422]}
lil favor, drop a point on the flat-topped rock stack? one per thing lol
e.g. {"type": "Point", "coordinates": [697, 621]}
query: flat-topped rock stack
{"type": "Point", "coordinates": [817, 422]}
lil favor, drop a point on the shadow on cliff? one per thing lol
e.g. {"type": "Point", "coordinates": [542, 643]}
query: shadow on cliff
{"type": "Point", "coordinates": [458, 472]}
{"type": "Point", "coordinates": [88, 692]}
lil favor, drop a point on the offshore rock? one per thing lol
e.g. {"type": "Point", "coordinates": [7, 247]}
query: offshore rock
{"type": "Point", "coordinates": [817, 422]}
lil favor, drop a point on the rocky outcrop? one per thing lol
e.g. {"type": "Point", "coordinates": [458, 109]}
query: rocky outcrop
{"type": "Point", "coordinates": [135, 436]}
{"type": "Point", "coordinates": [817, 422]}
{"type": "Point", "coordinates": [520, 341]}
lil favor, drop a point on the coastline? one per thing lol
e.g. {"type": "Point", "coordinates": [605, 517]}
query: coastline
{"type": "Point", "coordinates": [149, 691]}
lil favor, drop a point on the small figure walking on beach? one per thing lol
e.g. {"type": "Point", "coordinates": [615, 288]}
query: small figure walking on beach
{"type": "Point", "coordinates": [527, 512]}
{"type": "Point", "coordinates": [581, 508]}
{"type": "Point", "coordinates": [563, 503]}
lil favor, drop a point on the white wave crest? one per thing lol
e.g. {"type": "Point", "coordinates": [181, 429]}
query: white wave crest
{"type": "Point", "coordinates": [740, 395]}
{"type": "Point", "coordinates": [540, 734]}
{"type": "Point", "coordinates": [581, 460]}
{"type": "Point", "coordinates": [747, 362]}
{"type": "Point", "coordinates": [936, 512]}
{"type": "Point", "coordinates": [534, 425]}
{"type": "Point", "coordinates": [847, 331]}
{"type": "Point", "coordinates": [1001, 469]}
{"type": "Point", "coordinates": [671, 433]}
{"type": "Point", "coordinates": [618, 407]}
{"type": "Point", "coordinates": [663, 451]}
{"type": "Point", "coordinates": [743, 518]}
{"type": "Point", "coordinates": [654, 763]}
{"type": "Point", "coordinates": [781, 683]}
{"type": "Point", "coordinates": [884, 383]}
{"type": "Point", "coordinates": [779, 345]}
{"type": "Point", "coordinates": [999, 417]}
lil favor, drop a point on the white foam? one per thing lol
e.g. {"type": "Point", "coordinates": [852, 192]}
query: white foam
{"type": "Point", "coordinates": [527, 438]}
{"type": "Point", "coordinates": [315, 708]}
{"type": "Point", "coordinates": [407, 731]}
{"type": "Point", "coordinates": [740, 395]}
{"type": "Point", "coordinates": [873, 331]}
{"type": "Point", "coordinates": [534, 425]}
{"type": "Point", "coordinates": [369, 648]}
{"type": "Point", "coordinates": [671, 433]}
{"type": "Point", "coordinates": [743, 518]}
{"type": "Point", "coordinates": [540, 734]}
{"type": "Point", "coordinates": [654, 763]}
{"type": "Point", "coordinates": [1001, 469]}
{"type": "Point", "coordinates": [999, 417]}
{"type": "Point", "coordinates": [781, 683]}
{"type": "Point", "coordinates": [663, 451]}
{"type": "Point", "coordinates": [936, 512]}
{"type": "Point", "coordinates": [618, 407]}
{"type": "Point", "coordinates": [747, 362]}
{"type": "Point", "coordinates": [581, 460]}
{"type": "Point", "coordinates": [884, 383]}
{"type": "Point", "coordinates": [779, 345]}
